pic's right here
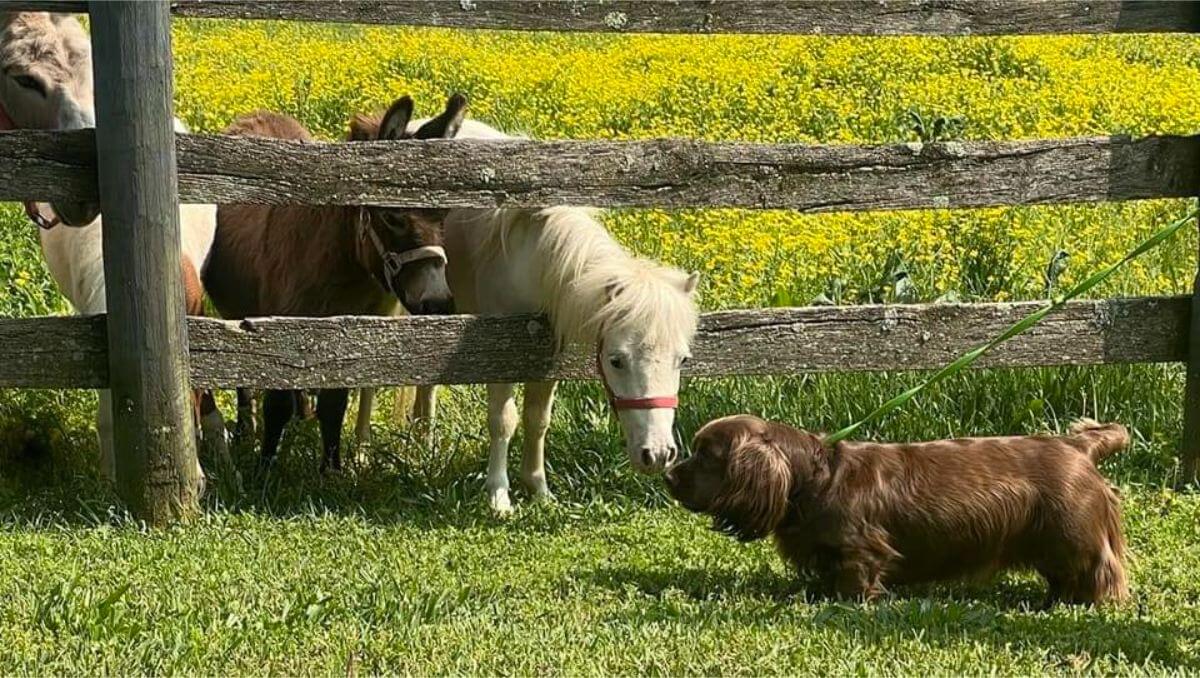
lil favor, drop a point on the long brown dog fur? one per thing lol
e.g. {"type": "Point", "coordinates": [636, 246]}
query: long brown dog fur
{"type": "Point", "coordinates": [867, 515]}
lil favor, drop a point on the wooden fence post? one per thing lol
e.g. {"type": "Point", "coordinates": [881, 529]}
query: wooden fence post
{"type": "Point", "coordinates": [1191, 401]}
{"type": "Point", "coordinates": [157, 471]}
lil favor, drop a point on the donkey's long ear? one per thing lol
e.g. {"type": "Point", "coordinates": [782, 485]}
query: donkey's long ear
{"type": "Point", "coordinates": [364, 127]}
{"type": "Point", "coordinates": [446, 125]}
{"type": "Point", "coordinates": [395, 121]}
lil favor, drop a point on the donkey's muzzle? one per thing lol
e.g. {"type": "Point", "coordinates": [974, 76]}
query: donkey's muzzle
{"type": "Point", "coordinates": [76, 213]}
{"type": "Point", "coordinates": [434, 306]}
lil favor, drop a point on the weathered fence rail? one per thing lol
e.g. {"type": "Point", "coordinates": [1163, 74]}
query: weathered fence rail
{"type": "Point", "coordinates": [662, 173]}
{"type": "Point", "coordinates": [837, 17]}
{"type": "Point", "coordinates": [298, 352]}
{"type": "Point", "coordinates": [376, 351]}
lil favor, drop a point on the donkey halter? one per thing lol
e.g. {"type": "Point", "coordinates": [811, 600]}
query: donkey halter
{"type": "Point", "coordinates": [393, 262]}
{"type": "Point", "coordinates": [32, 210]}
{"type": "Point", "coordinates": [618, 404]}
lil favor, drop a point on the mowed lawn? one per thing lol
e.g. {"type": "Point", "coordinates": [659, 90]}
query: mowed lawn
{"type": "Point", "coordinates": [579, 590]}
{"type": "Point", "coordinates": [397, 567]}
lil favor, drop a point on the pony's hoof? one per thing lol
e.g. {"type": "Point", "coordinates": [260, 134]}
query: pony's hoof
{"type": "Point", "coordinates": [537, 487]}
{"type": "Point", "coordinates": [500, 503]}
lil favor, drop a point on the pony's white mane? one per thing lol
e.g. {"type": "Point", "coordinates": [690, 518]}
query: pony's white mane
{"type": "Point", "coordinates": [589, 283]}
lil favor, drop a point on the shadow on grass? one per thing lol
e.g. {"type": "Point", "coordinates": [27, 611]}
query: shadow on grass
{"type": "Point", "coordinates": [1005, 613]}
{"type": "Point", "coordinates": [41, 487]}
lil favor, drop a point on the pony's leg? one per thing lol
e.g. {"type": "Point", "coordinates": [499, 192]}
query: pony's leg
{"type": "Point", "coordinates": [331, 412]}
{"type": "Point", "coordinates": [424, 410]}
{"type": "Point", "coordinates": [362, 425]}
{"type": "Point", "coordinates": [304, 406]}
{"type": "Point", "coordinates": [278, 407]}
{"type": "Point", "coordinates": [104, 430]}
{"type": "Point", "coordinates": [216, 445]}
{"type": "Point", "coordinates": [247, 420]}
{"type": "Point", "coordinates": [502, 423]}
{"type": "Point", "coordinates": [539, 400]}
{"type": "Point", "coordinates": [425, 406]}
{"type": "Point", "coordinates": [403, 406]}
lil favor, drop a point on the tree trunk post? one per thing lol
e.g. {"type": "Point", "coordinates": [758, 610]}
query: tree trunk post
{"type": "Point", "coordinates": [157, 470]}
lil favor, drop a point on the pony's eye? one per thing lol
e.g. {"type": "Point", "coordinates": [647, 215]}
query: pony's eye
{"type": "Point", "coordinates": [30, 82]}
{"type": "Point", "coordinates": [683, 360]}
{"type": "Point", "coordinates": [616, 362]}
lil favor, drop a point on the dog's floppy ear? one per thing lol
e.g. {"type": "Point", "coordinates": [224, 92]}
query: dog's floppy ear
{"type": "Point", "coordinates": [758, 480]}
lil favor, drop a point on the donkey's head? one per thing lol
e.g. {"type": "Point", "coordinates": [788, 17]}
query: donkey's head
{"type": "Point", "coordinates": [402, 247]}
{"type": "Point", "coordinates": [46, 83]}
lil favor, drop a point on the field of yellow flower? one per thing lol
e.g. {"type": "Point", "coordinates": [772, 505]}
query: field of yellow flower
{"type": "Point", "coordinates": [395, 566]}
{"type": "Point", "coordinates": [768, 89]}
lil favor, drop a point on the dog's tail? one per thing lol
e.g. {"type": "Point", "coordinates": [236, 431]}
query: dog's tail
{"type": "Point", "coordinates": [1110, 581]}
{"type": "Point", "coordinates": [1100, 440]}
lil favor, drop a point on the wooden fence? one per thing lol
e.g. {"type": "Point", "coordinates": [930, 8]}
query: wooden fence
{"type": "Point", "coordinates": [139, 170]}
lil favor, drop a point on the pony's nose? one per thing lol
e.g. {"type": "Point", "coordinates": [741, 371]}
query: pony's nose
{"type": "Point", "coordinates": [647, 462]}
{"type": "Point", "coordinates": [672, 455]}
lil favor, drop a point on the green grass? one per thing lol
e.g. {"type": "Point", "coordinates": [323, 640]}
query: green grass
{"type": "Point", "coordinates": [596, 589]}
{"type": "Point", "coordinates": [397, 566]}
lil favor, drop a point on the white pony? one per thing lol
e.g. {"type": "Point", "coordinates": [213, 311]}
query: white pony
{"type": "Point", "coordinates": [561, 261]}
{"type": "Point", "coordinates": [46, 83]}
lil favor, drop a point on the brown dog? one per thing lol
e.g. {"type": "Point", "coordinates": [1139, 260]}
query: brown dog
{"type": "Point", "coordinates": [864, 515]}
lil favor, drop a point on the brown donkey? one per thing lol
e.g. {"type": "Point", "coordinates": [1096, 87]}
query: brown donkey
{"type": "Point", "coordinates": [328, 260]}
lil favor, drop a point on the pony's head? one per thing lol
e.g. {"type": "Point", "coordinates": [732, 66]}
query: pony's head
{"type": "Point", "coordinates": [645, 333]}
{"type": "Point", "coordinates": [46, 83]}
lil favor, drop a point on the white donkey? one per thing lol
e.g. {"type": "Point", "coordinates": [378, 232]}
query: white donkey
{"type": "Point", "coordinates": [641, 317]}
{"type": "Point", "coordinates": [46, 83]}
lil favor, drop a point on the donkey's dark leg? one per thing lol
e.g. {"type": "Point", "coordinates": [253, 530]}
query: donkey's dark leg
{"type": "Point", "coordinates": [331, 412]}
{"type": "Point", "coordinates": [278, 407]}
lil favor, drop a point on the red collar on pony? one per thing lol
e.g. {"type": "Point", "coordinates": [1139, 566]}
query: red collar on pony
{"type": "Point", "coordinates": [618, 404]}
{"type": "Point", "coordinates": [32, 209]}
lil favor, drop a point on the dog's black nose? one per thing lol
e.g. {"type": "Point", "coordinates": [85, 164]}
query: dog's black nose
{"type": "Point", "coordinates": [669, 476]}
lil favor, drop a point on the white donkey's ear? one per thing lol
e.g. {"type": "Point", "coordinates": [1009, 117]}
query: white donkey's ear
{"type": "Point", "coordinates": [691, 283]}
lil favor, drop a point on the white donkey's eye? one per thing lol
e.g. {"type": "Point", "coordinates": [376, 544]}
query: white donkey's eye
{"type": "Point", "coordinates": [616, 362]}
{"type": "Point", "coordinates": [30, 82]}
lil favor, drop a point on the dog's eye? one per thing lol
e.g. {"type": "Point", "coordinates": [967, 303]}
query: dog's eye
{"type": "Point", "coordinates": [616, 362]}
